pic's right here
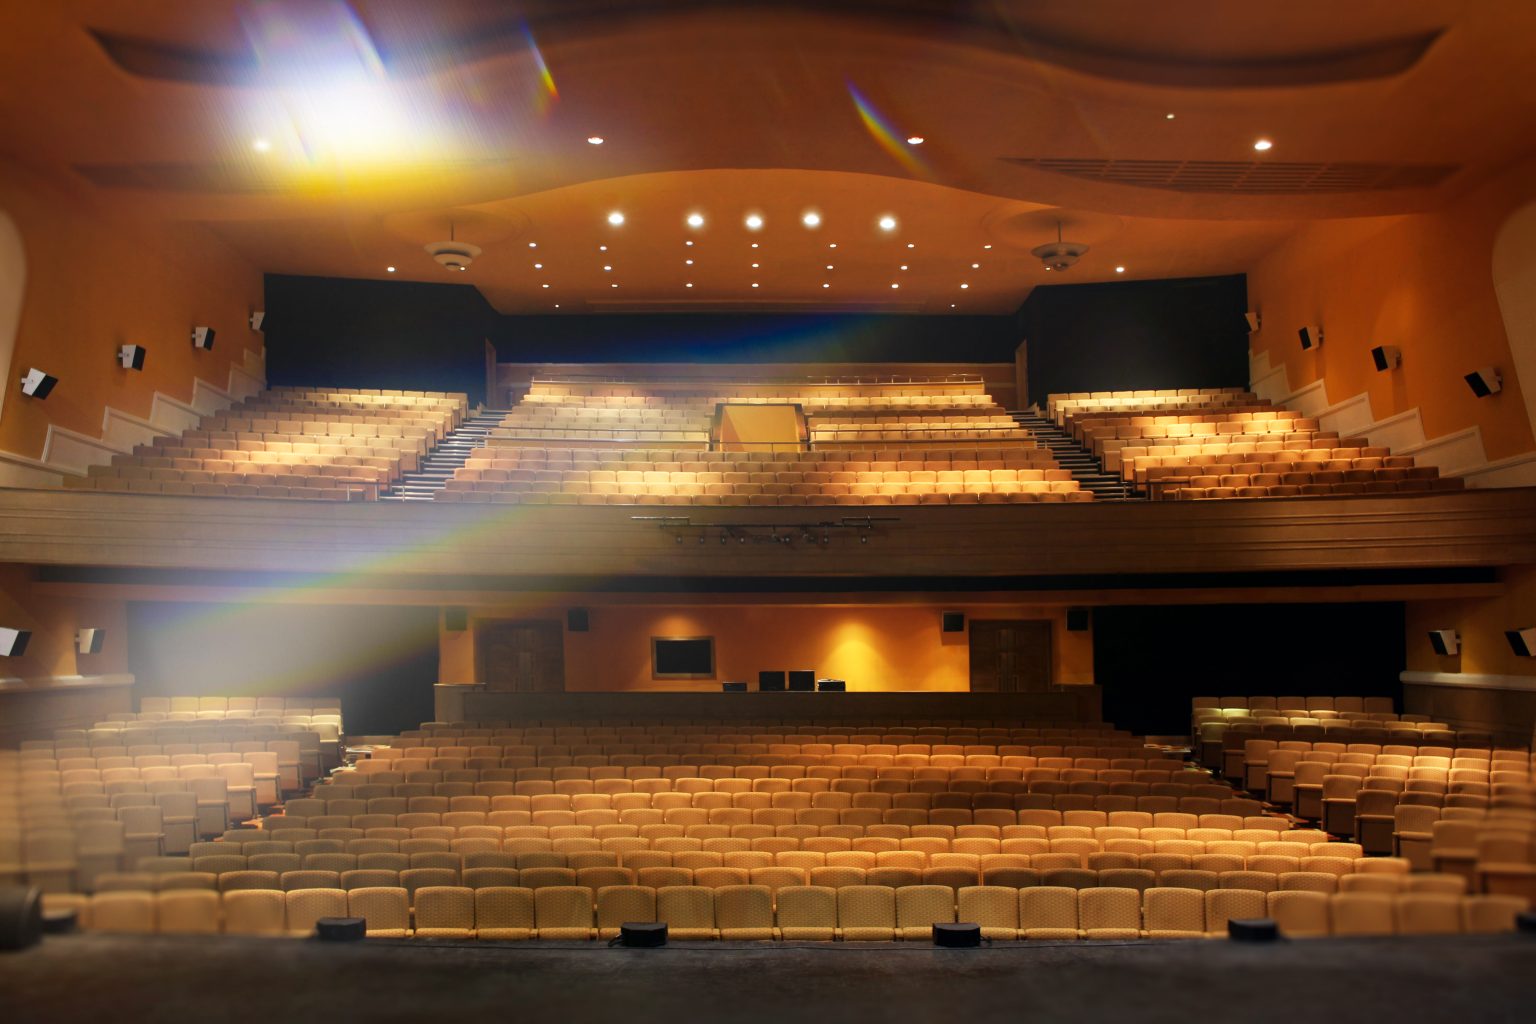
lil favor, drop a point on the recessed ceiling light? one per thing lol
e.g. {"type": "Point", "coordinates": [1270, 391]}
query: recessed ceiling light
{"type": "Point", "coordinates": [987, 246]}
{"type": "Point", "coordinates": [754, 221]}
{"type": "Point", "coordinates": [756, 265]}
{"type": "Point", "coordinates": [964, 285]}
{"type": "Point", "coordinates": [975, 266]}
{"type": "Point", "coordinates": [914, 140]}
{"type": "Point", "coordinates": [687, 263]}
{"type": "Point", "coordinates": [533, 245]}
{"type": "Point", "coordinates": [1119, 270]}
{"type": "Point", "coordinates": [911, 245]}
{"type": "Point", "coordinates": [688, 242]}
{"type": "Point", "coordinates": [695, 220]}
{"type": "Point", "coordinates": [1263, 145]}
{"type": "Point", "coordinates": [557, 305]}
{"type": "Point", "coordinates": [390, 270]}
{"type": "Point", "coordinates": [951, 305]}
{"type": "Point", "coordinates": [829, 266]}
{"type": "Point", "coordinates": [615, 284]}
{"type": "Point", "coordinates": [754, 284]}
{"type": "Point", "coordinates": [826, 284]}
{"type": "Point", "coordinates": [607, 267]}
{"type": "Point", "coordinates": [538, 266]}
{"type": "Point", "coordinates": [602, 248]}
{"type": "Point", "coordinates": [811, 219]}
{"type": "Point", "coordinates": [831, 245]}
{"type": "Point", "coordinates": [903, 266]}
{"type": "Point", "coordinates": [688, 285]}
{"type": "Point", "coordinates": [887, 223]}
{"type": "Point", "coordinates": [544, 286]}
{"type": "Point", "coordinates": [261, 145]}
{"type": "Point", "coordinates": [615, 218]}
{"type": "Point", "coordinates": [595, 140]}
{"type": "Point", "coordinates": [1168, 116]}
{"type": "Point", "coordinates": [895, 285]}
{"type": "Point", "coordinates": [754, 245]}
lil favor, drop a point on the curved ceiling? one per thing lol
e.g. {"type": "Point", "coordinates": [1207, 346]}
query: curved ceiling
{"type": "Point", "coordinates": [382, 117]}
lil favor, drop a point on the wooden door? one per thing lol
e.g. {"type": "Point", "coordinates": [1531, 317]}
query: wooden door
{"type": "Point", "coordinates": [1010, 656]}
{"type": "Point", "coordinates": [527, 657]}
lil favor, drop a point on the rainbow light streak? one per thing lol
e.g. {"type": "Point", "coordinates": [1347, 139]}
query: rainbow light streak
{"type": "Point", "coordinates": [548, 94]}
{"type": "Point", "coordinates": [888, 138]}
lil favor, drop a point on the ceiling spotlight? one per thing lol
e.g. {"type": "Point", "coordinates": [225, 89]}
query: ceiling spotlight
{"type": "Point", "coordinates": [756, 265]}
{"type": "Point", "coordinates": [1168, 116]}
{"type": "Point", "coordinates": [595, 140]}
{"type": "Point", "coordinates": [826, 284]}
{"type": "Point", "coordinates": [544, 286]}
{"type": "Point", "coordinates": [987, 246]}
{"type": "Point", "coordinates": [389, 270]}
{"type": "Point", "coordinates": [754, 284]}
{"type": "Point", "coordinates": [687, 263]}
{"type": "Point", "coordinates": [1263, 145]}
{"type": "Point", "coordinates": [754, 245]}
{"type": "Point", "coordinates": [964, 285]}
{"type": "Point", "coordinates": [615, 218]}
{"type": "Point", "coordinates": [951, 305]}
{"type": "Point", "coordinates": [602, 248]}
{"type": "Point", "coordinates": [533, 245]}
{"type": "Point", "coordinates": [538, 266]}
{"type": "Point", "coordinates": [914, 140]}
{"type": "Point", "coordinates": [887, 223]}
{"type": "Point", "coordinates": [688, 285]}
{"type": "Point", "coordinates": [557, 305]}
{"type": "Point", "coordinates": [975, 266]}
{"type": "Point", "coordinates": [695, 220]}
{"type": "Point", "coordinates": [688, 242]}
{"type": "Point", "coordinates": [895, 285]}
{"type": "Point", "coordinates": [754, 221]}
{"type": "Point", "coordinates": [607, 267]}
{"type": "Point", "coordinates": [903, 266]}
{"type": "Point", "coordinates": [811, 219]}
{"type": "Point", "coordinates": [261, 145]}
{"type": "Point", "coordinates": [829, 266]}
{"type": "Point", "coordinates": [1119, 270]}
{"type": "Point", "coordinates": [615, 284]}
{"type": "Point", "coordinates": [831, 245]}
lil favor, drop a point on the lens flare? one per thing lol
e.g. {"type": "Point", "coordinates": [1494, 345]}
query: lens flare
{"type": "Point", "coordinates": [548, 94]}
{"type": "Point", "coordinates": [888, 138]}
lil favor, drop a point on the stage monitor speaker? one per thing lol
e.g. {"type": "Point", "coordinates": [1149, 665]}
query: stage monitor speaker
{"type": "Point", "coordinates": [832, 685]}
{"type": "Point", "coordinates": [1485, 382]}
{"type": "Point", "coordinates": [202, 337]}
{"type": "Point", "coordinates": [341, 929]}
{"type": "Point", "coordinates": [1445, 641]}
{"type": "Point", "coordinates": [733, 687]}
{"type": "Point", "coordinates": [1254, 320]}
{"type": "Point", "coordinates": [131, 357]}
{"type": "Point", "coordinates": [21, 917]}
{"type": "Point", "coordinates": [802, 680]}
{"type": "Point", "coordinates": [1311, 336]}
{"type": "Point", "coordinates": [953, 622]}
{"type": "Point", "coordinates": [1252, 929]}
{"type": "Point", "coordinates": [1386, 357]}
{"type": "Point", "coordinates": [643, 934]}
{"type": "Point", "coordinates": [1078, 620]}
{"type": "Point", "coordinates": [455, 619]}
{"type": "Point", "coordinates": [1521, 641]}
{"type": "Point", "coordinates": [771, 681]}
{"type": "Point", "coordinates": [956, 935]}
{"type": "Point", "coordinates": [13, 642]}
{"type": "Point", "coordinates": [37, 384]}
{"type": "Point", "coordinates": [257, 318]}
{"type": "Point", "coordinates": [576, 620]}
{"type": "Point", "coordinates": [89, 640]}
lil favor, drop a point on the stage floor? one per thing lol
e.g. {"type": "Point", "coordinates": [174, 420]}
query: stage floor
{"type": "Point", "coordinates": [93, 977]}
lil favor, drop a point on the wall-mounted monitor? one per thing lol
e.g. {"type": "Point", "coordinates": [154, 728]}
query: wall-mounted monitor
{"type": "Point", "coordinates": [682, 657]}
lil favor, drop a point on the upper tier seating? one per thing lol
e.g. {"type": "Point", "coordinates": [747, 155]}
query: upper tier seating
{"type": "Point", "coordinates": [341, 444]}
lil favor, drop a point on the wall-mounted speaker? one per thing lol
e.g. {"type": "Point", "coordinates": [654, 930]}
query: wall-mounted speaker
{"type": "Point", "coordinates": [952, 622]}
{"type": "Point", "coordinates": [771, 681]}
{"type": "Point", "coordinates": [13, 642]}
{"type": "Point", "coordinates": [832, 685]}
{"type": "Point", "coordinates": [1254, 321]}
{"type": "Point", "coordinates": [455, 619]}
{"type": "Point", "coordinates": [89, 640]}
{"type": "Point", "coordinates": [131, 357]}
{"type": "Point", "coordinates": [202, 337]}
{"type": "Point", "coordinates": [1311, 336]}
{"type": "Point", "coordinates": [576, 620]}
{"type": "Point", "coordinates": [257, 318]}
{"type": "Point", "coordinates": [1078, 620]}
{"type": "Point", "coordinates": [1485, 382]}
{"type": "Point", "coordinates": [37, 384]}
{"type": "Point", "coordinates": [733, 687]}
{"type": "Point", "coordinates": [802, 680]}
{"type": "Point", "coordinates": [1445, 641]}
{"type": "Point", "coordinates": [1386, 357]}
{"type": "Point", "coordinates": [1522, 641]}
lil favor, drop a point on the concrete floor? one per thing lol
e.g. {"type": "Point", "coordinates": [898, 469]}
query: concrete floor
{"type": "Point", "coordinates": [102, 978]}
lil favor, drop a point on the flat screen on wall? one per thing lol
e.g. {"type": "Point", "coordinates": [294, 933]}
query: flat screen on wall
{"type": "Point", "coordinates": [682, 657]}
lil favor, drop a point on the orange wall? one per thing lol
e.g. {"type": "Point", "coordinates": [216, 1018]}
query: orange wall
{"type": "Point", "coordinates": [1423, 283]}
{"type": "Point", "coordinates": [53, 621]}
{"type": "Point", "coordinates": [1481, 622]}
{"type": "Point", "coordinates": [889, 647]}
{"type": "Point", "coordinates": [98, 278]}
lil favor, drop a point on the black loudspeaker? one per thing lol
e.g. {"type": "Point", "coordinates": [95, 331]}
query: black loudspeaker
{"type": "Point", "coordinates": [733, 687]}
{"type": "Point", "coordinates": [1078, 620]}
{"type": "Point", "coordinates": [954, 622]}
{"type": "Point", "coordinates": [773, 680]}
{"type": "Point", "coordinates": [1521, 641]}
{"type": "Point", "coordinates": [21, 917]}
{"type": "Point", "coordinates": [1311, 337]}
{"type": "Point", "coordinates": [13, 642]}
{"type": "Point", "coordinates": [89, 641]}
{"type": "Point", "coordinates": [455, 619]}
{"type": "Point", "coordinates": [576, 620]}
{"type": "Point", "coordinates": [1525, 923]}
{"type": "Point", "coordinates": [341, 929]}
{"type": "Point", "coordinates": [1386, 357]}
{"type": "Point", "coordinates": [1253, 929]}
{"type": "Point", "coordinates": [643, 934]}
{"type": "Point", "coordinates": [1445, 641]}
{"type": "Point", "coordinates": [1483, 382]}
{"type": "Point", "coordinates": [962, 935]}
{"type": "Point", "coordinates": [37, 384]}
{"type": "Point", "coordinates": [802, 680]}
{"type": "Point", "coordinates": [832, 685]}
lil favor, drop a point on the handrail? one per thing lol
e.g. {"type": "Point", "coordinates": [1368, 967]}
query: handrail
{"type": "Point", "coordinates": [810, 380]}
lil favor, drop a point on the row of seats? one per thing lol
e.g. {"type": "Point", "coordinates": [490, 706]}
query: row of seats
{"type": "Point", "coordinates": [794, 913]}
{"type": "Point", "coordinates": [1064, 406]}
{"type": "Point", "coordinates": [1017, 456]}
{"type": "Point", "coordinates": [1261, 446]}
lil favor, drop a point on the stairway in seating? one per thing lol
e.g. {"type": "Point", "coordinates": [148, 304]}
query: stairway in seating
{"type": "Point", "coordinates": [437, 465]}
{"type": "Point", "coordinates": [1071, 455]}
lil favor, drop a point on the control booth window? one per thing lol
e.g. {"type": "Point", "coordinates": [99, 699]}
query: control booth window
{"type": "Point", "coordinates": [682, 657]}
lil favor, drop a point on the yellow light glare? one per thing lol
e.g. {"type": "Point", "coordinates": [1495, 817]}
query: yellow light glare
{"type": "Point", "coordinates": [594, 140]}
{"type": "Point", "coordinates": [616, 218]}
{"type": "Point", "coordinates": [887, 223]}
{"type": "Point", "coordinates": [754, 221]}
{"type": "Point", "coordinates": [1263, 145]}
{"type": "Point", "coordinates": [261, 146]}
{"type": "Point", "coordinates": [811, 219]}
{"type": "Point", "coordinates": [695, 220]}
{"type": "Point", "coordinates": [390, 270]}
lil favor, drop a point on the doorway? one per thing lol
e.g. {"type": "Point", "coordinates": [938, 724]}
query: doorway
{"type": "Point", "coordinates": [1010, 656]}
{"type": "Point", "coordinates": [521, 656]}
